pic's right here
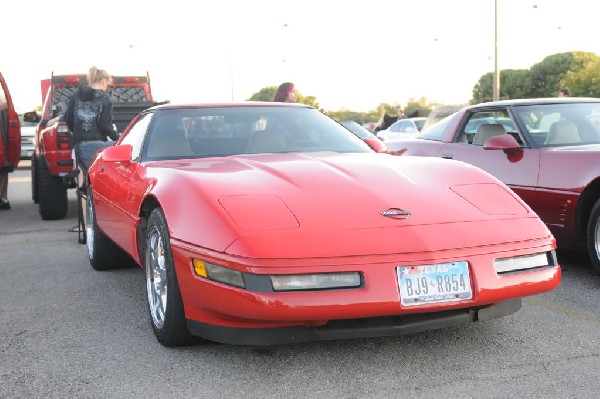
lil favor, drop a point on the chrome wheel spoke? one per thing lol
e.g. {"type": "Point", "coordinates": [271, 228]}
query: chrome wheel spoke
{"type": "Point", "coordinates": [156, 276]}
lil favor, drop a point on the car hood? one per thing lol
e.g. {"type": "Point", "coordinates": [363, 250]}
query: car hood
{"type": "Point", "coordinates": [325, 204]}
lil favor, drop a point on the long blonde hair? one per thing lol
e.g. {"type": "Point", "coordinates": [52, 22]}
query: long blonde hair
{"type": "Point", "coordinates": [96, 75]}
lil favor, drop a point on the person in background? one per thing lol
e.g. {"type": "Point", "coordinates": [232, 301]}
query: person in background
{"type": "Point", "coordinates": [89, 113]}
{"type": "Point", "coordinates": [89, 116]}
{"type": "Point", "coordinates": [400, 114]}
{"type": "Point", "coordinates": [285, 93]}
{"type": "Point", "coordinates": [564, 92]}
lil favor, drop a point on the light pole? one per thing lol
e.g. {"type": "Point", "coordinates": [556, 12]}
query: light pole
{"type": "Point", "coordinates": [496, 83]}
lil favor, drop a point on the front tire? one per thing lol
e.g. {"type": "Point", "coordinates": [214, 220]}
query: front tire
{"type": "Point", "coordinates": [34, 180]}
{"type": "Point", "coordinates": [593, 237]}
{"type": "Point", "coordinates": [52, 194]}
{"type": "Point", "coordinates": [164, 297]}
{"type": "Point", "coordinates": [102, 252]}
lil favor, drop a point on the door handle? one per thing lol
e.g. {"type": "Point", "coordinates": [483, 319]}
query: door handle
{"type": "Point", "coordinates": [447, 156]}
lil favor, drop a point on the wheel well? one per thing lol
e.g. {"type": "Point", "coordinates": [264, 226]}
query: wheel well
{"type": "Point", "coordinates": [588, 198]}
{"type": "Point", "coordinates": [150, 203]}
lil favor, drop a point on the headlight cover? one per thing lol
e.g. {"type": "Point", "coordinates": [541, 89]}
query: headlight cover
{"type": "Point", "coordinates": [526, 262]}
{"type": "Point", "coordinates": [321, 281]}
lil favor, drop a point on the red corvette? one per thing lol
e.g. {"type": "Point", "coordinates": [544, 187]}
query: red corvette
{"type": "Point", "coordinates": [270, 223]}
{"type": "Point", "coordinates": [546, 150]}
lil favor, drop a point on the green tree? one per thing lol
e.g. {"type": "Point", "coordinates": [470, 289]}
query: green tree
{"type": "Point", "coordinates": [514, 83]}
{"type": "Point", "coordinates": [420, 107]}
{"type": "Point", "coordinates": [265, 94]}
{"type": "Point", "coordinates": [585, 82]}
{"type": "Point", "coordinates": [546, 76]}
{"type": "Point", "coordinates": [544, 79]}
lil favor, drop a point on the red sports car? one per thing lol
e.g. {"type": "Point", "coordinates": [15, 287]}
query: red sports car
{"type": "Point", "coordinates": [270, 223]}
{"type": "Point", "coordinates": [546, 150]}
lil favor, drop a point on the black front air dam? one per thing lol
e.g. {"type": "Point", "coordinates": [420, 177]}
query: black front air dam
{"type": "Point", "coordinates": [353, 328]}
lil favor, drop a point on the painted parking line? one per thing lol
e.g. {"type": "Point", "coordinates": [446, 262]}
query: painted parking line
{"type": "Point", "coordinates": [575, 314]}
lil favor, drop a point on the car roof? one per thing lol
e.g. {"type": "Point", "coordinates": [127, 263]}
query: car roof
{"type": "Point", "coordinates": [244, 104]}
{"type": "Point", "coordinates": [536, 101]}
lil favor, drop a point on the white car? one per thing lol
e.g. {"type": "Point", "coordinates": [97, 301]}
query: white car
{"type": "Point", "coordinates": [29, 121]}
{"type": "Point", "coordinates": [404, 128]}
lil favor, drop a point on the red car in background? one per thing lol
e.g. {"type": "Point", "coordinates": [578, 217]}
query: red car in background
{"type": "Point", "coordinates": [546, 150]}
{"type": "Point", "coordinates": [10, 130]}
{"type": "Point", "coordinates": [270, 223]}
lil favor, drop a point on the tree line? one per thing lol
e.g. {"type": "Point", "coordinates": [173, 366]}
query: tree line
{"type": "Point", "coordinates": [578, 71]}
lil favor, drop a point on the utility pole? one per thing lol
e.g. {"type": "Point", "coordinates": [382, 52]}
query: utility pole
{"type": "Point", "coordinates": [496, 84]}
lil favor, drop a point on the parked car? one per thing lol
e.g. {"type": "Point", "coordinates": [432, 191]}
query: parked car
{"type": "Point", "coordinates": [10, 133]}
{"type": "Point", "coordinates": [283, 226]}
{"type": "Point", "coordinates": [403, 128]}
{"type": "Point", "coordinates": [29, 121]}
{"type": "Point", "coordinates": [546, 150]}
{"type": "Point", "coordinates": [357, 129]}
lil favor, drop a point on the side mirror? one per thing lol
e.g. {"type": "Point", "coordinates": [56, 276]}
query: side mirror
{"type": "Point", "coordinates": [376, 145]}
{"type": "Point", "coordinates": [505, 142]}
{"type": "Point", "coordinates": [117, 153]}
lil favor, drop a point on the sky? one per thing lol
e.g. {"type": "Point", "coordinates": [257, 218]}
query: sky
{"type": "Point", "coordinates": [349, 54]}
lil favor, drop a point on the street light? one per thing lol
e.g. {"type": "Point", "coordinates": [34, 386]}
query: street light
{"type": "Point", "coordinates": [496, 83]}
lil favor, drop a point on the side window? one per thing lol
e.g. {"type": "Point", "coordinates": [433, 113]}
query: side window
{"type": "Point", "coordinates": [135, 136]}
{"type": "Point", "coordinates": [482, 125]}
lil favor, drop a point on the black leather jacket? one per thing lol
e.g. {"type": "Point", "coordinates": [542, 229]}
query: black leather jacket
{"type": "Point", "coordinates": [89, 116]}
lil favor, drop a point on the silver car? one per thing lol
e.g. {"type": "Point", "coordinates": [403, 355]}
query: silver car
{"type": "Point", "coordinates": [29, 121]}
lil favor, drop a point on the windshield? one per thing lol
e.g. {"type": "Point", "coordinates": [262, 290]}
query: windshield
{"type": "Point", "coordinates": [561, 124]}
{"type": "Point", "coordinates": [435, 131]}
{"type": "Point", "coordinates": [191, 132]}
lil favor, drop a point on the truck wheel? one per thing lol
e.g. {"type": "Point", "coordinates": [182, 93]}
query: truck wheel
{"type": "Point", "coordinates": [102, 252]}
{"type": "Point", "coordinates": [52, 195]}
{"type": "Point", "coordinates": [164, 298]}
{"type": "Point", "coordinates": [593, 237]}
{"type": "Point", "coordinates": [34, 184]}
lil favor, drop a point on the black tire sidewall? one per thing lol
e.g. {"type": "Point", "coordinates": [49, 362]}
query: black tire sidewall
{"type": "Point", "coordinates": [52, 195]}
{"type": "Point", "coordinates": [34, 187]}
{"type": "Point", "coordinates": [591, 237]}
{"type": "Point", "coordinates": [174, 331]}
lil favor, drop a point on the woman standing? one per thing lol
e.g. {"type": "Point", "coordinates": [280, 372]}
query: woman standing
{"type": "Point", "coordinates": [89, 114]}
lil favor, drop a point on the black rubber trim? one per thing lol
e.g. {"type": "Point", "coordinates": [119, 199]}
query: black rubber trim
{"type": "Point", "coordinates": [354, 328]}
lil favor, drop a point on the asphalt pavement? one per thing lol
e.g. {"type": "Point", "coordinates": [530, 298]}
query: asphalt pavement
{"type": "Point", "coordinates": [68, 331]}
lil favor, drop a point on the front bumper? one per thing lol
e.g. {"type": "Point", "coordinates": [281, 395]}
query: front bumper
{"type": "Point", "coordinates": [352, 328]}
{"type": "Point", "coordinates": [235, 315]}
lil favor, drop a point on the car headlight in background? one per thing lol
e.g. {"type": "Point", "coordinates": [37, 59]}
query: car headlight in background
{"type": "Point", "coordinates": [219, 273]}
{"type": "Point", "coordinates": [300, 282]}
{"type": "Point", "coordinates": [526, 262]}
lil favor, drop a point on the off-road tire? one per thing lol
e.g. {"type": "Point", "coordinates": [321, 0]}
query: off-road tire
{"type": "Point", "coordinates": [593, 237]}
{"type": "Point", "coordinates": [34, 180]}
{"type": "Point", "coordinates": [52, 194]}
{"type": "Point", "coordinates": [165, 305]}
{"type": "Point", "coordinates": [102, 252]}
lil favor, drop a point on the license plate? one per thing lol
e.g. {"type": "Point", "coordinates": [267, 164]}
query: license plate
{"type": "Point", "coordinates": [442, 282]}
